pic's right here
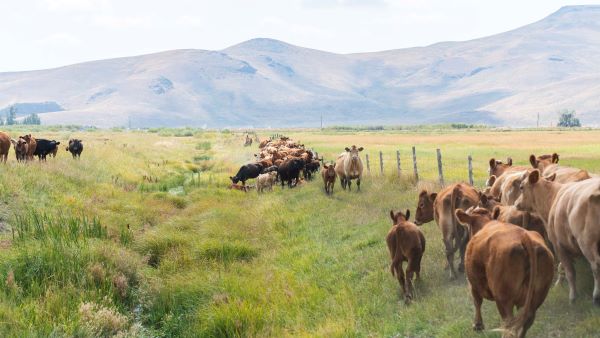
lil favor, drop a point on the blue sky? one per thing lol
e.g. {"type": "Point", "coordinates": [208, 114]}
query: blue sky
{"type": "Point", "coordinates": [36, 34]}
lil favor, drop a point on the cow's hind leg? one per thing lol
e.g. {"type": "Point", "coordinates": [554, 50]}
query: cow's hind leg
{"type": "Point", "coordinates": [477, 301]}
{"type": "Point", "coordinates": [358, 184]}
{"type": "Point", "coordinates": [349, 182]}
{"type": "Point", "coordinates": [567, 263]}
{"type": "Point", "coordinates": [450, 257]}
{"type": "Point", "coordinates": [591, 251]}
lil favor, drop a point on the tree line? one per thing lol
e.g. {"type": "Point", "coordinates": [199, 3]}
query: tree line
{"type": "Point", "coordinates": [11, 118]}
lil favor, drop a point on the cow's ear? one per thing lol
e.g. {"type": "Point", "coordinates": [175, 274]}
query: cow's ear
{"type": "Point", "coordinates": [483, 198]}
{"type": "Point", "coordinates": [347, 149]}
{"type": "Point", "coordinates": [533, 161]}
{"type": "Point", "coordinates": [407, 214]}
{"type": "Point", "coordinates": [551, 178]}
{"type": "Point", "coordinates": [492, 163]}
{"type": "Point", "coordinates": [509, 161]}
{"type": "Point", "coordinates": [463, 217]}
{"type": "Point", "coordinates": [392, 216]}
{"type": "Point", "coordinates": [534, 177]}
{"type": "Point", "coordinates": [325, 166]}
{"type": "Point", "coordinates": [57, 143]}
{"type": "Point", "coordinates": [360, 149]}
{"type": "Point", "coordinates": [496, 212]}
{"type": "Point", "coordinates": [433, 196]}
{"type": "Point", "coordinates": [491, 180]}
{"type": "Point", "coordinates": [555, 158]}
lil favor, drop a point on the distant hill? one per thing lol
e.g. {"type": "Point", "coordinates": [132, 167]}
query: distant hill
{"type": "Point", "coordinates": [505, 79]}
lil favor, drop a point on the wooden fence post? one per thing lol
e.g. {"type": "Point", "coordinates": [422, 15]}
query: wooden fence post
{"type": "Point", "coordinates": [440, 169]}
{"type": "Point", "coordinates": [398, 163]}
{"type": "Point", "coordinates": [414, 151]}
{"type": "Point", "coordinates": [470, 170]}
{"type": "Point", "coordinates": [381, 163]}
{"type": "Point", "coordinates": [368, 166]}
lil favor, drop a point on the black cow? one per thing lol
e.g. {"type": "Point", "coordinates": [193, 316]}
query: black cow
{"type": "Point", "coordinates": [311, 168]}
{"type": "Point", "coordinates": [75, 147]}
{"type": "Point", "coordinates": [44, 147]}
{"type": "Point", "coordinates": [247, 172]}
{"type": "Point", "coordinates": [269, 169]}
{"type": "Point", "coordinates": [290, 170]}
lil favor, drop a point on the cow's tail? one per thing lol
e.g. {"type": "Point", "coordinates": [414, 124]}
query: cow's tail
{"type": "Point", "coordinates": [524, 319]}
{"type": "Point", "coordinates": [453, 196]}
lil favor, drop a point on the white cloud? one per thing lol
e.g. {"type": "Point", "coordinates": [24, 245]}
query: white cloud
{"type": "Point", "coordinates": [120, 22]}
{"type": "Point", "coordinates": [75, 5]}
{"type": "Point", "coordinates": [59, 39]}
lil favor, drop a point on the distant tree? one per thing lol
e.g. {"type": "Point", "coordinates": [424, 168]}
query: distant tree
{"type": "Point", "coordinates": [32, 119]}
{"type": "Point", "coordinates": [568, 119]}
{"type": "Point", "coordinates": [11, 116]}
{"type": "Point", "coordinates": [1, 122]}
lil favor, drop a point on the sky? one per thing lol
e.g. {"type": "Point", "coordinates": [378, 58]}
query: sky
{"type": "Point", "coordinates": [39, 34]}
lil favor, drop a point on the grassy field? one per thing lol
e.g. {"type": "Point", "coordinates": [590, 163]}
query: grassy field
{"type": "Point", "coordinates": [141, 238]}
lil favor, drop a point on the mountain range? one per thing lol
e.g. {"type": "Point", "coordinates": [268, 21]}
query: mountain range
{"type": "Point", "coordinates": [505, 79]}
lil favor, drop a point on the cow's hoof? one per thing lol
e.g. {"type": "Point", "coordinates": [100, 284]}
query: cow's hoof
{"type": "Point", "coordinates": [407, 300]}
{"type": "Point", "coordinates": [461, 267]}
{"type": "Point", "coordinates": [478, 327]}
{"type": "Point", "coordinates": [597, 301]}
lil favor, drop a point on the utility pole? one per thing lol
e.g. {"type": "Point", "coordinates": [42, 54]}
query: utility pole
{"type": "Point", "coordinates": [538, 120]}
{"type": "Point", "coordinates": [321, 120]}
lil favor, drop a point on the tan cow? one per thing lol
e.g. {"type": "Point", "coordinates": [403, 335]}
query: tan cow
{"type": "Point", "coordinates": [329, 177]}
{"type": "Point", "coordinates": [266, 181]}
{"type": "Point", "coordinates": [524, 219]}
{"type": "Point", "coordinates": [571, 213]}
{"type": "Point", "coordinates": [498, 168]}
{"type": "Point", "coordinates": [548, 165]}
{"type": "Point", "coordinates": [441, 207]}
{"type": "Point", "coordinates": [509, 265]}
{"type": "Point", "coordinates": [348, 167]}
{"type": "Point", "coordinates": [4, 146]}
{"type": "Point", "coordinates": [406, 243]}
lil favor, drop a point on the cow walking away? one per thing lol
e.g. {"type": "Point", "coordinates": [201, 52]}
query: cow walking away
{"type": "Point", "coordinates": [571, 214]}
{"type": "Point", "coordinates": [349, 166]}
{"type": "Point", "coordinates": [406, 243]}
{"type": "Point", "coordinates": [441, 207]}
{"type": "Point", "coordinates": [506, 264]}
{"type": "Point", "coordinates": [329, 177]}
{"type": "Point", "coordinates": [75, 147]}
{"type": "Point", "coordinates": [4, 146]}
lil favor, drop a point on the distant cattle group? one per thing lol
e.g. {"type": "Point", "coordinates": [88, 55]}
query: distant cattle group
{"type": "Point", "coordinates": [508, 235]}
{"type": "Point", "coordinates": [28, 147]}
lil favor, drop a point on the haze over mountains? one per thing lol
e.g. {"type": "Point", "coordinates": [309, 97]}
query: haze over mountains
{"type": "Point", "coordinates": [505, 79]}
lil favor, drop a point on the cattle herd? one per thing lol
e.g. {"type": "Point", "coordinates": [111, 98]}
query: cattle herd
{"type": "Point", "coordinates": [508, 235]}
{"type": "Point", "coordinates": [511, 237]}
{"type": "Point", "coordinates": [27, 147]}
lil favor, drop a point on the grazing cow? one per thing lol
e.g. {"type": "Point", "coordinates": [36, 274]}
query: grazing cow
{"type": "Point", "coordinates": [75, 147]}
{"type": "Point", "coordinates": [329, 177]}
{"type": "Point", "coordinates": [289, 171]}
{"type": "Point", "coordinates": [4, 146]}
{"type": "Point", "coordinates": [406, 243]}
{"type": "Point", "coordinates": [266, 181]}
{"type": "Point", "coordinates": [548, 165]}
{"type": "Point", "coordinates": [21, 147]}
{"type": "Point", "coordinates": [247, 172]}
{"type": "Point", "coordinates": [348, 167]}
{"type": "Point", "coordinates": [31, 145]}
{"type": "Point", "coordinates": [571, 213]}
{"type": "Point", "coordinates": [509, 265]}
{"type": "Point", "coordinates": [45, 147]}
{"type": "Point", "coordinates": [441, 207]}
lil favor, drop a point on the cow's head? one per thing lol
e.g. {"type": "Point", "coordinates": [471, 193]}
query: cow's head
{"type": "Point", "coordinates": [234, 179]}
{"type": "Point", "coordinates": [20, 145]}
{"type": "Point", "coordinates": [354, 153]}
{"type": "Point", "coordinates": [534, 190]}
{"type": "Point", "coordinates": [498, 168]}
{"type": "Point", "coordinates": [487, 202]}
{"type": "Point", "coordinates": [541, 162]}
{"type": "Point", "coordinates": [474, 219]}
{"type": "Point", "coordinates": [399, 217]}
{"type": "Point", "coordinates": [424, 213]}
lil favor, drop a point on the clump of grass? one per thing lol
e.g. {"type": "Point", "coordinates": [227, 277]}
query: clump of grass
{"type": "Point", "coordinates": [206, 145]}
{"type": "Point", "coordinates": [101, 321]}
{"type": "Point", "coordinates": [64, 228]}
{"type": "Point", "coordinates": [231, 318]}
{"type": "Point", "coordinates": [226, 251]}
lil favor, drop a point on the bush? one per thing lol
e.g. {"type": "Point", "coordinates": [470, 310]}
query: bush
{"type": "Point", "coordinates": [568, 119]}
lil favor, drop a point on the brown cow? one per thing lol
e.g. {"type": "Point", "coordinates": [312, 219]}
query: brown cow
{"type": "Point", "coordinates": [31, 145]}
{"type": "Point", "coordinates": [21, 148]}
{"type": "Point", "coordinates": [441, 207]}
{"type": "Point", "coordinates": [548, 165]}
{"type": "Point", "coordinates": [4, 146]}
{"type": "Point", "coordinates": [509, 265]}
{"type": "Point", "coordinates": [406, 243]}
{"type": "Point", "coordinates": [329, 177]}
{"type": "Point", "coordinates": [571, 213]}
{"type": "Point", "coordinates": [524, 219]}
